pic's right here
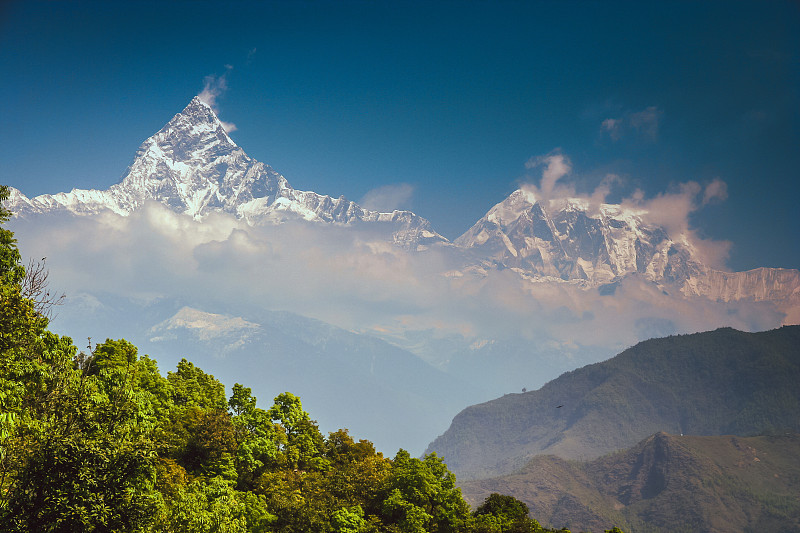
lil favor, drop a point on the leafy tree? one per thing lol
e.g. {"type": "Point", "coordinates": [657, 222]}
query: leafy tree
{"type": "Point", "coordinates": [149, 379]}
{"type": "Point", "coordinates": [112, 355]}
{"type": "Point", "coordinates": [502, 513]}
{"type": "Point", "coordinates": [201, 507]}
{"type": "Point", "coordinates": [288, 412]}
{"type": "Point", "coordinates": [191, 387]}
{"type": "Point", "coordinates": [27, 383]}
{"type": "Point", "coordinates": [257, 439]}
{"type": "Point", "coordinates": [82, 457]}
{"type": "Point", "coordinates": [348, 520]}
{"type": "Point", "coordinates": [11, 271]}
{"type": "Point", "coordinates": [358, 473]}
{"type": "Point", "coordinates": [506, 507]}
{"type": "Point", "coordinates": [304, 442]}
{"type": "Point", "coordinates": [74, 454]}
{"type": "Point", "coordinates": [209, 444]}
{"type": "Point", "coordinates": [421, 495]}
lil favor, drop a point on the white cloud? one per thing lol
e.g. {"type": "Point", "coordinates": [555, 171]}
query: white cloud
{"type": "Point", "coordinates": [555, 166]}
{"type": "Point", "coordinates": [388, 198]}
{"type": "Point", "coordinates": [716, 191]}
{"type": "Point", "coordinates": [645, 124]}
{"type": "Point", "coordinates": [613, 126]}
{"type": "Point", "coordinates": [672, 210]}
{"type": "Point", "coordinates": [229, 127]}
{"type": "Point", "coordinates": [603, 189]}
{"type": "Point", "coordinates": [213, 88]}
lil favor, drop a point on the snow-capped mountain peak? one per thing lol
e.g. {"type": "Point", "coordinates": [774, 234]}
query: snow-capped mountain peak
{"type": "Point", "coordinates": [193, 166]}
{"type": "Point", "coordinates": [570, 240]}
{"type": "Point", "coordinates": [193, 136]}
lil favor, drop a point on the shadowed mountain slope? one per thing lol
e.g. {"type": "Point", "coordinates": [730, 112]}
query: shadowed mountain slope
{"type": "Point", "coordinates": [713, 383]}
{"type": "Point", "coordinates": [665, 483]}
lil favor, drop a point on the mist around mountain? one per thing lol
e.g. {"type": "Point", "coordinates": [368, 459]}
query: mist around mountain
{"type": "Point", "coordinates": [714, 383]}
{"type": "Point", "coordinates": [665, 483]}
{"type": "Point", "coordinates": [348, 380]}
{"type": "Point", "coordinates": [551, 279]}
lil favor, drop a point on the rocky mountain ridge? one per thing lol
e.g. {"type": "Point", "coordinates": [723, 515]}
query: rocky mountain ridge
{"type": "Point", "coordinates": [192, 166]}
{"type": "Point", "coordinates": [596, 246]}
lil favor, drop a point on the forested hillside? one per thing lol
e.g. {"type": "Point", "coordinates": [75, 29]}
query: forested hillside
{"type": "Point", "coordinates": [714, 383]}
{"type": "Point", "coordinates": [99, 440]}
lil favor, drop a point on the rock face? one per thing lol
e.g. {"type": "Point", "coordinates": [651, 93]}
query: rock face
{"type": "Point", "coordinates": [569, 240]}
{"type": "Point", "coordinates": [565, 242]}
{"type": "Point", "coordinates": [193, 166]}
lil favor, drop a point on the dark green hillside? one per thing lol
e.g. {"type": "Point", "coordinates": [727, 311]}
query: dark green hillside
{"type": "Point", "coordinates": [714, 383]}
{"type": "Point", "coordinates": [666, 483]}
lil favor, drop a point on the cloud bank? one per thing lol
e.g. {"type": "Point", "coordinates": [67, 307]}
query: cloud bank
{"type": "Point", "coordinates": [388, 198]}
{"type": "Point", "coordinates": [436, 303]}
{"type": "Point", "coordinates": [353, 279]}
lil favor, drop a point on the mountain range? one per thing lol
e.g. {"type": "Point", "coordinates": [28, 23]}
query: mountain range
{"type": "Point", "coordinates": [193, 166]}
{"type": "Point", "coordinates": [347, 380]}
{"type": "Point", "coordinates": [712, 383]}
{"type": "Point", "coordinates": [506, 305]}
{"type": "Point", "coordinates": [686, 433]}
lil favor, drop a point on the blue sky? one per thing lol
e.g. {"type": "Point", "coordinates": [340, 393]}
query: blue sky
{"type": "Point", "coordinates": [432, 106]}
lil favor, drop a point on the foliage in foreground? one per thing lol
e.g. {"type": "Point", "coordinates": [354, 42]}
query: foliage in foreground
{"type": "Point", "coordinates": [103, 442]}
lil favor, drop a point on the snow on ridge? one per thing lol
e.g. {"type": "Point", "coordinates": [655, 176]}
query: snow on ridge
{"type": "Point", "coordinates": [235, 331]}
{"type": "Point", "coordinates": [570, 241]}
{"type": "Point", "coordinates": [193, 166]}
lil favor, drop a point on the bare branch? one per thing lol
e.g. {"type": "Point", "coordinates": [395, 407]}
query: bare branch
{"type": "Point", "coordinates": [35, 286]}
